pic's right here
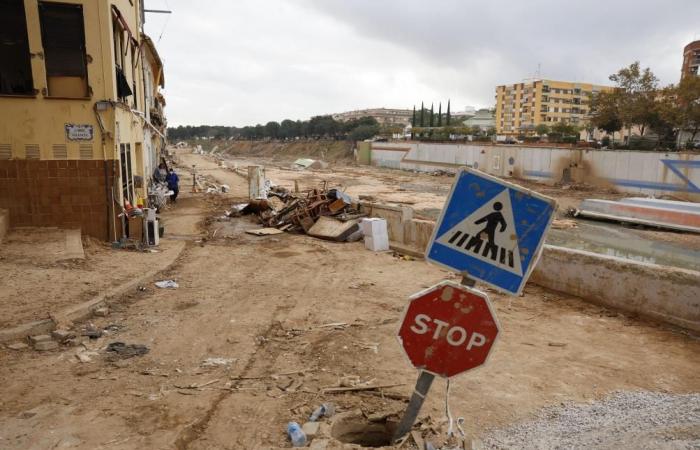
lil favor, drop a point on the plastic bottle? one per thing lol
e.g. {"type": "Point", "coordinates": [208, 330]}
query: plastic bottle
{"type": "Point", "coordinates": [325, 410]}
{"type": "Point", "coordinates": [296, 435]}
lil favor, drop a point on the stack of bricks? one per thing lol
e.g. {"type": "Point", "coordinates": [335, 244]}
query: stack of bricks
{"type": "Point", "coordinates": [57, 193]}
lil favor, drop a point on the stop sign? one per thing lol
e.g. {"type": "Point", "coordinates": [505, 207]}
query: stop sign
{"type": "Point", "coordinates": [448, 329]}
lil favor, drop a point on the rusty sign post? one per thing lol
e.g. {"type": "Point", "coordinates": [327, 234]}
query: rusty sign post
{"type": "Point", "coordinates": [447, 329]}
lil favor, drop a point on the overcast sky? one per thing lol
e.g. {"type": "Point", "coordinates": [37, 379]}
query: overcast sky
{"type": "Point", "coordinates": [242, 62]}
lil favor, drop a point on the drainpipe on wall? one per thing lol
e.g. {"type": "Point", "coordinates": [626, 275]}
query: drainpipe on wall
{"type": "Point", "coordinates": [112, 231]}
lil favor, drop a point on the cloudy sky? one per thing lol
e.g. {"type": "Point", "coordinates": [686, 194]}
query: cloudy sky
{"type": "Point", "coordinates": [241, 62]}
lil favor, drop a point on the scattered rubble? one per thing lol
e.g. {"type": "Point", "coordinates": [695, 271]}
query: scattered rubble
{"type": "Point", "coordinates": [306, 163]}
{"type": "Point", "coordinates": [62, 335]}
{"type": "Point", "coordinates": [167, 284]}
{"type": "Point", "coordinates": [17, 346]}
{"type": "Point", "coordinates": [46, 345]}
{"type": "Point", "coordinates": [287, 211]}
{"type": "Point", "coordinates": [124, 351]}
{"type": "Point", "coordinates": [217, 362]}
{"type": "Point", "coordinates": [101, 312]}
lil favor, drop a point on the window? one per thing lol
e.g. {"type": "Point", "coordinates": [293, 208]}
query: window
{"type": "Point", "coordinates": [63, 38]}
{"type": "Point", "coordinates": [15, 65]}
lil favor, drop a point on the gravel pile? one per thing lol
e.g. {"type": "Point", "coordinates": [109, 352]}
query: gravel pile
{"type": "Point", "coordinates": [624, 420]}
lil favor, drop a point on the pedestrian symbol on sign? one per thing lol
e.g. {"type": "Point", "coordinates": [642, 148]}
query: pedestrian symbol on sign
{"type": "Point", "coordinates": [488, 234]}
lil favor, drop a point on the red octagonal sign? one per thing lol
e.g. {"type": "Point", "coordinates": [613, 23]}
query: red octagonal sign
{"type": "Point", "coordinates": [448, 329]}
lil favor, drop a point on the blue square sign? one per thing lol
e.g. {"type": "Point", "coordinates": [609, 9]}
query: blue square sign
{"type": "Point", "coordinates": [491, 229]}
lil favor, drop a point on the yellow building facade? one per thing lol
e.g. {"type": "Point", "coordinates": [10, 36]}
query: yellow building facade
{"type": "Point", "coordinates": [78, 101]}
{"type": "Point", "coordinates": [521, 107]}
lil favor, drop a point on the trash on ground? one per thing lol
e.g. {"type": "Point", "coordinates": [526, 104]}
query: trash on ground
{"type": "Point", "coordinates": [125, 351]}
{"type": "Point", "coordinates": [264, 231]}
{"type": "Point", "coordinates": [296, 435]}
{"type": "Point", "coordinates": [217, 362]}
{"type": "Point", "coordinates": [167, 284]}
{"type": "Point", "coordinates": [333, 229]}
{"type": "Point", "coordinates": [91, 331]}
{"type": "Point", "coordinates": [306, 163]}
{"type": "Point", "coordinates": [300, 211]}
{"type": "Point", "coordinates": [325, 410]}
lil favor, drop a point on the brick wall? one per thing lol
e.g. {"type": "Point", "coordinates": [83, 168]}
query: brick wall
{"type": "Point", "coordinates": [57, 193]}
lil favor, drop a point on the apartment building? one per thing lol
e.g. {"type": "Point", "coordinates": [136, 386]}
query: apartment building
{"type": "Point", "coordinates": [384, 116]}
{"type": "Point", "coordinates": [521, 107]}
{"type": "Point", "coordinates": [81, 115]}
{"type": "Point", "coordinates": [691, 60]}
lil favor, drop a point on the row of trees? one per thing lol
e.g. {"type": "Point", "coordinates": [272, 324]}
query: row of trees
{"type": "Point", "coordinates": [316, 127]}
{"type": "Point", "coordinates": [667, 114]}
{"type": "Point", "coordinates": [428, 118]}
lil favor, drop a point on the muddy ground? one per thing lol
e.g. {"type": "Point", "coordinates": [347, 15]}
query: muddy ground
{"type": "Point", "coordinates": [266, 306]}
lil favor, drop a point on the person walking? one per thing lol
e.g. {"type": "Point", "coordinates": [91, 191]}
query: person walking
{"type": "Point", "coordinates": [173, 184]}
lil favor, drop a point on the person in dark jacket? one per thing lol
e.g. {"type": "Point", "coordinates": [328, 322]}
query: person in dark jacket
{"type": "Point", "coordinates": [173, 184]}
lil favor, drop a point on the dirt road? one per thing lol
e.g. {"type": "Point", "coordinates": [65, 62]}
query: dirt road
{"type": "Point", "coordinates": [263, 306]}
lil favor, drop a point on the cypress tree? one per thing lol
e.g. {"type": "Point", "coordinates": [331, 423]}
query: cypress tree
{"type": "Point", "coordinates": [448, 112]}
{"type": "Point", "coordinates": [432, 114]}
{"type": "Point", "coordinates": [413, 120]}
{"type": "Point", "coordinates": [422, 114]}
{"type": "Point", "coordinates": [440, 115]}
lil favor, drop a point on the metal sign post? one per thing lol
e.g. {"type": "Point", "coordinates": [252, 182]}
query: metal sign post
{"type": "Point", "coordinates": [447, 329]}
{"type": "Point", "coordinates": [489, 230]}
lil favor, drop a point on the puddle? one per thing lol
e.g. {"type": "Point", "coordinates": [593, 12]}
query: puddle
{"type": "Point", "coordinates": [614, 240]}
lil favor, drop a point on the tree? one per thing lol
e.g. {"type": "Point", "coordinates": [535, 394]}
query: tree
{"type": "Point", "coordinates": [439, 124]}
{"type": "Point", "coordinates": [432, 116]}
{"type": "Point", "coordinates": [542, 129]}
{"type": "Point", "coordinates": [637, 90]}
{"type": "Point", "coordinates": [413, 119]}
{"type": "Point", "coordinates": [422, 114]}
{"type": "Point", "coordinates": [272, 130]}
{"type": "Point", "coordinates": [688, 104]}
{"type": "Point", "coordinates": [605, 113]}
{"type": "Point", "coordinates": [564, 129]}
{"type": "Point", "coordinates": [448, 113]}
{"type": "Point", "coordinates": [363, 132]}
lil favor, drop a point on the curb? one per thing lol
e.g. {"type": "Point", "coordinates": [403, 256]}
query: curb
{"type": "Point", "coordinates": [85, 310]}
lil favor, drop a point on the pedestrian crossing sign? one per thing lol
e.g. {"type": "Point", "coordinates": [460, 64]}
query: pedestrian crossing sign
{"type": "Point", "coordinates": [491, 230]}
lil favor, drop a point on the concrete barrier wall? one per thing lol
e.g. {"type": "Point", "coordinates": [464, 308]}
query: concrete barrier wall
{"type": "Point", "coordinates": [662, 293]}
{"type": "Point", "coordinates": [649, 173]}
{"type": "Point", "coordinates": [666, 294]}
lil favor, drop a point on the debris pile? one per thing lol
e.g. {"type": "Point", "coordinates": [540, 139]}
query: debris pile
{"type": "Point", "coordinates": [321, 212]}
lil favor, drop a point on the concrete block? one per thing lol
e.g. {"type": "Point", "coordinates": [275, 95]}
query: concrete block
{"type": "Point", "coordinates": [319, 444]}
{"type": "Point", "coordinates": [378, 243]}
{"type": "Point", "coordinates": [39, 338]}
{"type": "Point", "coordinates": [373, 225]}
{"type": "Point", "coordinates": [46, 345]}
{"type": "Point", "coordinates": [18, 346]}
{"type": "Point", "coordinates": [101, 312]}
{"type": "Point", "coordinates": [310, 429]}
{"type": "Point", "coordinates": [61, 335]}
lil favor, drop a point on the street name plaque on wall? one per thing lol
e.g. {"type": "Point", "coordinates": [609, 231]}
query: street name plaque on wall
{"type": "Point", "coordinates": [76, 132]}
